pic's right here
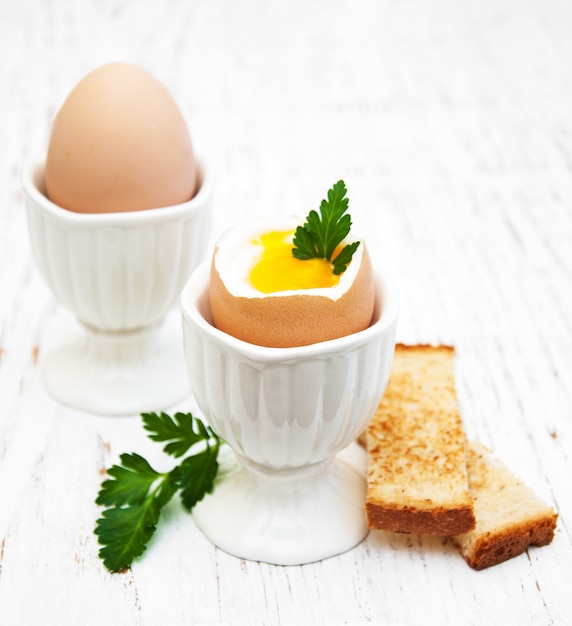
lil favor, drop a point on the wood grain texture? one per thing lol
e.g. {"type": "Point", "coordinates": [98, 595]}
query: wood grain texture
{"type": "Point", "coordinates": [451, 124]}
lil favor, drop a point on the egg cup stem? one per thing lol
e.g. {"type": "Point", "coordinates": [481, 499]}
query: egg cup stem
{"type": "Point", "coordinates": [120, 373]}
{"type": "Point", "coordinates": [290, 517]}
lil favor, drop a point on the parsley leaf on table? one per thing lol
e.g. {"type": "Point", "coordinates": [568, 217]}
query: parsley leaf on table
{"type": "Point", "coordinates": [181, 432]}
{"type": "Point", "coordinates": [135, 493]}
{"type": "Point", "coordinates": [197, 475]}
{"type": "Point", "coordinates": [322, 233]}
{"type": "Point", "coordinates": [130, 482]}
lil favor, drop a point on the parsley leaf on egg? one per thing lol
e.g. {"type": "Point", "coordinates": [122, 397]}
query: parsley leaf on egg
{"type": "Point", "coordinates": [136, 493]}
{"type": "Point", "coordinates": [322, 233]}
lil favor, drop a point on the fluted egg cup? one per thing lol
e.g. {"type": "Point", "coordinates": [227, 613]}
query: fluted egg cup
{"type": "Point", "coordinates": [120, 274]}
{"type": "Point", "coordinates": [282, 495]}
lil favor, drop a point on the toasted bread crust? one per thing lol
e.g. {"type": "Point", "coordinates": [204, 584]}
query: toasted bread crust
{"type": "Point", "coordinates": [430, 521]}
{"type": "Point", "coordinates": [417, 476]}
{"type": "Point", "coordinates": [510, 517]}
{"type": "Point", "coordinates": [494, 548]}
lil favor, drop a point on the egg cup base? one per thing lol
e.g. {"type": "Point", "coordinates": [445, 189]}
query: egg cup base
{"type": "Point", "coordinates": [287, 517]}
{"type": "Point", "coordinates": [120, 373]}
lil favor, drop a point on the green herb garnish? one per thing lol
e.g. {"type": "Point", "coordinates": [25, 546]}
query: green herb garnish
{"type": "Point", "coordinates": [321, 234]}
{"type": "Point", "coordinates": [136, 493]}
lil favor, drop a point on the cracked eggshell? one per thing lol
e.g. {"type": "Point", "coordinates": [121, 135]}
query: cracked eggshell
{"type": "Point", "coordinates": [286, 318]}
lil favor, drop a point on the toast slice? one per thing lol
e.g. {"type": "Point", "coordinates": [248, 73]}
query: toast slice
{"type": "Point", "coordinates": [417, 473]}
{"type": "Point", "coordinates": [510, 516]}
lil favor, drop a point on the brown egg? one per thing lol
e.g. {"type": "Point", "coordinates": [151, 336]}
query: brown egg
{"type": "Point", "coordinates": [300, 303]}
{"type": "Point", "coordinates": [119, 143]}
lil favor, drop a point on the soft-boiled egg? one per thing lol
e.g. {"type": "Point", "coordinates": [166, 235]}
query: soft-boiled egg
{"type": "Point", "coordinates": [119, 143]}
{"type": "Point", "coordinates": [260, 293]}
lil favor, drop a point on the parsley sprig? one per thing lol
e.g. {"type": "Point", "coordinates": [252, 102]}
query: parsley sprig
{"type": "Point", "coordinates": [321, 235]}
{"type": "Point", "coordinates": [136, 493]}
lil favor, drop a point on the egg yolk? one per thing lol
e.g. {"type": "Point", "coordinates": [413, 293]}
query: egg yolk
{"type": "Point", "coordinates": [279, 270]}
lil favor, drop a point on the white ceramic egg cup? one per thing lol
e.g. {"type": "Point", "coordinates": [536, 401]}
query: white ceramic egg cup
{"type": "Point", "coordinates": [120, 274]}
{"type": "Point", "coordinates": [283, 497]}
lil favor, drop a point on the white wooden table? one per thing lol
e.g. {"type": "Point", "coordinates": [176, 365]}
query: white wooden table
{"type": "Point", "coordinates": [451, 123]}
